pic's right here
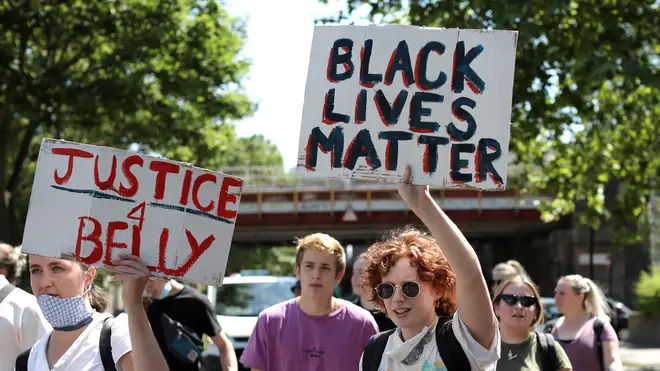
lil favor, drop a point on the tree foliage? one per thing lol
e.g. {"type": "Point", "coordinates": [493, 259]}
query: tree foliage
{"type": "Point", "coordinates": [279, 261]}
{"type": "Point", "coordinates": [648, 293]}
{"type": "Point", "coordinates": [586, 98]}
{"type": "Point", "coordinates": [161, 73]}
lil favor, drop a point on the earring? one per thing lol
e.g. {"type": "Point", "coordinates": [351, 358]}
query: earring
{"type": "Point", "coordinates": [437, 303]}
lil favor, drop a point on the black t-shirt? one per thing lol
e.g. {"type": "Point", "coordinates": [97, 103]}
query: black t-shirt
{"type": "Point", "coordinates": [190, 308]}
{"type": "Point", "coordinates": [382, 320]}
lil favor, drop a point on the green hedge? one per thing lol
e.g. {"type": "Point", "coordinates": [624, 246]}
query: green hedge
{"type": "Point", "coordinates": [648, 293]}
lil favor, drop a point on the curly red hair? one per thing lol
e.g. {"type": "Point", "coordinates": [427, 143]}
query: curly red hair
{"type": "Point", "coordinates": [424, 254]}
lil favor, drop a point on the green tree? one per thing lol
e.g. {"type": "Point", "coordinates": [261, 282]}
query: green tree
{"type": "Point", "coordinates": [163, 74]}
{"type": "Point", "coordinates": [648, 293]}
{"type": "Point", "coordinates": [586, 97]}
{"type": "Point", "coordinates": [279, 261]}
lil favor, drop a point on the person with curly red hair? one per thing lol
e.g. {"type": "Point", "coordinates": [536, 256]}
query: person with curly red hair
{"type": "Point", "coordinates": [420, 281]}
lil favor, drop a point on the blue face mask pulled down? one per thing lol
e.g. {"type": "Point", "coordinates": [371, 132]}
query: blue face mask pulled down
{"type": "Point", "coordinates": [163, 293]}
{"type": "Point", "coordinates": [66, 314]}
{"type": "Point", "coordinates": [166, 290]}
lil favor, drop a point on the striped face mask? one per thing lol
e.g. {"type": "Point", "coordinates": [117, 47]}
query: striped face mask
{"type": "Point", "coordinates": [66, 314]}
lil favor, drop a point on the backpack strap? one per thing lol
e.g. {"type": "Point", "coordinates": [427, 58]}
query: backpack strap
{"type": "Point", "coordinates": [548, 352]}
{"type": "Point", "coordinates": [451, 351]}
{"type": "Point", "coordinates": [105, 349]}
{"type": "Point", "coordinates": [373, 351]}
{"type": "Point", "coordinates": [5, 291]}
{"type": "Point", "coordinates": [598, 331]}
{"type": "Point", "coordinates": [105, 345]}
{"type": "Point", "coordinates": [22, 361]}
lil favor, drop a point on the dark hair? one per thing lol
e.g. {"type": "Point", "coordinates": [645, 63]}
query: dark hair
{"type": "Point", "coordinates": [424, 254]}
{"type": "Point", "coordinates": [97, 298]}
{"type": "Point", "coordinates": [12, 261]}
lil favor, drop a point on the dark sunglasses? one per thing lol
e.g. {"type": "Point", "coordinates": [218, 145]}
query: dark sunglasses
{"type": "Point", "coordinates": [386, 290]}
{"type": "Point", "coordinates": [525, 301]}
{"type": "Point", "coordinates": [498, 282]}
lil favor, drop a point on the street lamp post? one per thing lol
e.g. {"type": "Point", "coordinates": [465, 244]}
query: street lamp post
{"type": "Point", "coordinates": [653, 220]}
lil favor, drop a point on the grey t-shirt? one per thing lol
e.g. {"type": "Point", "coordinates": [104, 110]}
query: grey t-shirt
{"type": "Point", "coordinates": [526, 356]}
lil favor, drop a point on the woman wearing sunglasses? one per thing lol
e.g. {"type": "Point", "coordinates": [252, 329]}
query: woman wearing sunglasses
{"type": "Point", "coordinates": [420, 291]}
{"type": "Point", "coordinates": [517, 307]}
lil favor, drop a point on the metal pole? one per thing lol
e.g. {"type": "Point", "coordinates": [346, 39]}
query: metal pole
{"type": "Point", "coordinates": [591, 253]}
{"type": "Point", "coordinates": [653, 220]}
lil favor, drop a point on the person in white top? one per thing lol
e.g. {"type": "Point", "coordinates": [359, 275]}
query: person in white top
{"type": "Point", "coordinates": [417, 288]}
{"type": "Point", "coordinates": [73, 306]}
{"type": "Point", "coordinates": [21, 321]}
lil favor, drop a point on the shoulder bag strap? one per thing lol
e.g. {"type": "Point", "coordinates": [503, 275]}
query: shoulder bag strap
{"type": "Point", "coordinates": [373, 351]}
{"type": "Point", "coordinates": [450, 349]}
{"type": "Point", "coordinates": [105, 345]}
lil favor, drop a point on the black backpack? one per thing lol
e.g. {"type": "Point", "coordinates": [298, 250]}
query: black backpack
{"type": "Point", "coordinates": [598, 330]}
{"type": "Point", "coordinates": [105, 348]}
{"type": "Point", "coordinates": [450, 349]}
{"type": "Point", "coordinates": [548, 352]}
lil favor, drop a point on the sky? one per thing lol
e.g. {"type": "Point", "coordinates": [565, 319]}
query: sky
{"type": "Point", "coordinates": [268, 22]}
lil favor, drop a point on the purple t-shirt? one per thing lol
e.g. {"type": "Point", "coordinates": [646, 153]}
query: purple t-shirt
{"type": "Point", "coordinates": [287, 339]}
{"type": "Point", "coordinates": [582, 351]}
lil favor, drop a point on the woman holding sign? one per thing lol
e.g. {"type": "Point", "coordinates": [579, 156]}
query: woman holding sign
{"type": "Point", "coordinates": [83, 337]}
{"type": "Point", "coordinates": [417, 288]}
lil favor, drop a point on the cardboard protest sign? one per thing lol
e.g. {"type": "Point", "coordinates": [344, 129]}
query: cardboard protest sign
{"type": "Point", "coordinates": [379, 98]}
{"type": "Point", "coordinates": [94, 203]}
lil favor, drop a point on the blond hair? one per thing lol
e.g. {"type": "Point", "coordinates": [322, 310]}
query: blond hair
{"type": "Point", "coordinates": [594, 299]}
{"type": "Point", "coordinates": [540, 316]}
{"type": "Point", "coordinates": [323, 243]}
{"type": "Point", "coordinates": [510, 269]}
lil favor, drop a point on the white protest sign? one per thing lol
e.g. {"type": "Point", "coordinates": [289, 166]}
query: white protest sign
{"type": "Point", "coordinates": [379, 98]}
{"type": "Point", "coordinates": [94, 203]}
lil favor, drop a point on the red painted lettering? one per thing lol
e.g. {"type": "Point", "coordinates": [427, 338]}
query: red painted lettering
{"type": "Point", "coordinates": [133, 214]}
{"type": "Point", "coordinates": [162, 168]}
{"type": "Point", "coordinates": [130, 177]}
{"type": "Point", "coordinates": [94, 237]}
{"type": "Point", "coordinates": [206, 177]}
{"type": "Point", "coordinates": [185, 190]}
{"type": "Point", "coordinates": [196, 248]}
{"type": "Point", "coordinates": [135, 247]}
{"type": "Point", "coordinates": [72, 153]}
{"type": "Point", "coordinates": [110, 242]}
{"type": "Point", "coordinates": [108, 183]}
{"type": "Point", "coordinates": [197, 251]}
{"type": "Point", "coordinates": [226, 197]}
{"type": "Point", "coordinates": [162, 247]}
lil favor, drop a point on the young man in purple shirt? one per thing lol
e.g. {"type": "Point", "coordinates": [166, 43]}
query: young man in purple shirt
{"type": "Point", "coordinates": [314, 331]}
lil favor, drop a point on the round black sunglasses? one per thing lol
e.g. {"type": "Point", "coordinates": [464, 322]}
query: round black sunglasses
{"type": "Point", "coordinates": [386, 290]}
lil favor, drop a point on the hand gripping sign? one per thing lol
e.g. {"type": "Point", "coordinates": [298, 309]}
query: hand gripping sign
{"type": "Point", "coordinates": [379, 98]}
{"type": "Point", "coordinates": [94, 203]}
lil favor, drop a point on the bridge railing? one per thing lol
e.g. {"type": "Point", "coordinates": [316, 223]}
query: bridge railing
{"type": "Point", "coordinates": [274, 178]}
